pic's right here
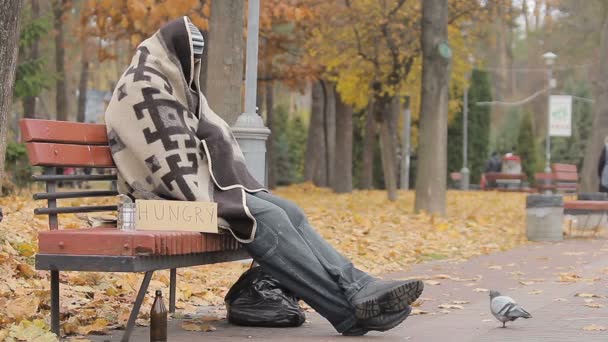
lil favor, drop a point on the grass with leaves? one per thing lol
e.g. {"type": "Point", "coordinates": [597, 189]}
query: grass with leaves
{"type": "Point", "coordinates": [378, 235]}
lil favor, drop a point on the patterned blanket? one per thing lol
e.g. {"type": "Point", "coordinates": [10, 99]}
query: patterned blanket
{"type": "Point", "coordinates": [166, 141]}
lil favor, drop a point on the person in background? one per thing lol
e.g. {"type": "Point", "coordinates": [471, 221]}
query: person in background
{"type": "Point", "coordinates": [494, 163]}
{"type": "Point", "coordinates": [602, 168]}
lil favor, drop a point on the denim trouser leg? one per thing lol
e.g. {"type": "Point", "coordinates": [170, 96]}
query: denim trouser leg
{"type": "Point", "coordinates": [285, 254]}
{"type": "Point", "coordinates": [342, 270]}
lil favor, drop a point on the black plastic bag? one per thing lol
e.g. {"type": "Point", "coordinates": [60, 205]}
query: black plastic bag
{"type": "Point", "coordinates": [259, 300]}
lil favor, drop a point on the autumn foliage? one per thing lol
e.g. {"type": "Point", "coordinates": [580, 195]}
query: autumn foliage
{"type": "Point", "coordinates": [378, 235]}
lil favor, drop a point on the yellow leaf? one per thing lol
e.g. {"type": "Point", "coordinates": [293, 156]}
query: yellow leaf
{"type": "Point", "coordinates": [22, 307]}
{"type": "Point", "coordinates": [34, 331]}
{"type": "Point", "coordinates": [26, 270]}
{"type": "Point", "coordinates": [594, 327]}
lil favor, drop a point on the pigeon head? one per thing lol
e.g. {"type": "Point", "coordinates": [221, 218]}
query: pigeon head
{"type": "Point", "coordinates": [494, 294]}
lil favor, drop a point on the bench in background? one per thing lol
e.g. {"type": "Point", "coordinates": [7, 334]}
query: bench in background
{"type": "Point", "coordinates": [562, 179]}
{"type": "Point", "coordinates": [52, 144]}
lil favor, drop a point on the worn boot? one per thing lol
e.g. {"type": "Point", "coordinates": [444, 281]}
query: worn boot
{"type": "Point", "coordinates": [385, 296]}
{"type": "Point", "coordinates": [382, 322]}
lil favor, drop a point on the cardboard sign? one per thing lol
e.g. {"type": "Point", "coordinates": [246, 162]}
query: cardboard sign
{"type": "Point", "coordinates": [176, 215]}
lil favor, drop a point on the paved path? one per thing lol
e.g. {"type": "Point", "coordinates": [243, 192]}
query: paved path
{"type": "Point", "coordinates": [530, 274]}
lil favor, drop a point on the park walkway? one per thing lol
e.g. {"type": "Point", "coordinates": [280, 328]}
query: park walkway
{"type": "Point", "coordinates": [543, 277]}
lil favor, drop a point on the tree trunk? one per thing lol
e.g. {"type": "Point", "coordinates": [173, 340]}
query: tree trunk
{"type": "Point", "coordinates": [29, 103]}
{"type": "Point", "coordinates": [329, 123]}
{"type": "Point", "coordinates": [61, 99]}
{"type": "Point", "coordinates": [432, 149]}
{"type": "Point", "coordinates": [384, 112]}
{"type": "Point", "coordinates": [314, 167]}
{"type": "Point", "coordinates": [10, 15]}
{"type": "Point", "coordinates": [226, 58]}
{"type": "Point", "coordinates": [84, 80]}
{"type": "Point", "coordinates": [369, 144]}
{"type": "Point", "coordinates": [343, 165]}
{"type": "Point", "coordinates": [272, 164]}
{"type": "Point", "coordinates": [599, 130]}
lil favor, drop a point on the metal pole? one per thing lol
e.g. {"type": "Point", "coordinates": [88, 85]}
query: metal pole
{"type": "Point", "coordinates": [548, 137]}
{"type": "Point", "coordinates": [405, 162]}
{"type": "Point", "coordinates": [251, 68]}
{"type": "Point", "coordinates": [464, 172]}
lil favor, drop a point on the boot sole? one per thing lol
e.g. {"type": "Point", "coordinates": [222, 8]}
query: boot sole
{"type": "Point", "coordinates": [390, 325]}
{"type": "Point", "coordinates": [364, 329]}
{"type": "Point", "coordinates": [391, 301]}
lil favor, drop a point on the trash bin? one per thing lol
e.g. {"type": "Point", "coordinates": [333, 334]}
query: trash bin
{"type": "Point", "coordinates": [544, 217]}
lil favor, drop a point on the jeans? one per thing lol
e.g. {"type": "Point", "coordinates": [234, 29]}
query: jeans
{"type": "Point", "coordinates": [290, 250]}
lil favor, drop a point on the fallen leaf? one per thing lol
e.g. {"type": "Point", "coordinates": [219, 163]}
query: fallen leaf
{"type": "Point", "coordinates": [587, 295]}
{"type": "Point", "coordinates": [432, 282]}
{"type": "Point", "coordinates": [569, 277]}
{"type": "Point", "coordinates": [418, 312]}
{"type": "Point", "coordinates": [26, 270]}
{"type": "Point", "coordinates": [22, 307]}
{"type": "Point", "coordinates": [573, 253]}
{"type": "Point", "coordinates": [594, 305]}
{"type": "Point", "coordinates": [442, 276]}
{"type": "Point", "coordinates": [450, 306]}
{"type": "Point", "coordinates": [479, 289]}
{"type": "Point", "coordinates": [191, 326]}
{"type": "Point", "coordinates": [32, 331]}
{"type": "Point", "coordinates": [535, 292]}
{"type": "Point", "coordinates": [195, 326]}
{"type": "Point", "coordinates": [459, 302]}
{"type": "Point", "coordinates": [526, 283]}
{"type": "Point", "coordinates": [594, 327]}
{"type": "Point", "coordinates": [495, 267]}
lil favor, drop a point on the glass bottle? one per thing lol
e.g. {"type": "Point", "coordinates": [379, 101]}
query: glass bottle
{"type": "Point", "coordinates": [158, 319]}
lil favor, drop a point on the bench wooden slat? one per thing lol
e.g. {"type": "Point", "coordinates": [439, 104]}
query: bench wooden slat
{"type": "Point", "coordinates": [543, 176]}
{"type": "Point", "coordinates": [566, 176]}
{"type": "Point", "coordinates": [34, 130]}
{"type": "Point", "coordinates": [50, 154]}
{"type": "Point", "coordinates": [557, 167]}
{"type": "Point", "coordinates": [587, 205]}
{"type": "Point", "coordinates": [111, 241]}
{"type": "Point", "coordinates": [74, 194]}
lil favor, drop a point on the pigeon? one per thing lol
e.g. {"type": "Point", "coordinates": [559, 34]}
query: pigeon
{"type": "Point", "coordinates": [505, 309]}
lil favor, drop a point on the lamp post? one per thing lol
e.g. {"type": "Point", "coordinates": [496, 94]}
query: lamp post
{"type": "Point", "coordinates": [465, 172]}
{"type": "Point", "coordinates": [549, 58]}
{"type": "Point", "coordinates": [249, 128]}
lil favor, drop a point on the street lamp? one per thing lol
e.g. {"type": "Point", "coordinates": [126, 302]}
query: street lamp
{"type": "Point", "coordinates": [549, 58]}
{"type": "Point", "coordinates": [249, 128]}
{"type": "Point", "coordinates": [465, 172]}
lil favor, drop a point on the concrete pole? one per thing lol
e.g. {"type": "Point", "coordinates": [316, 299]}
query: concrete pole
{"type": "Point", "coordinates": [464, 172]}
{"type": "Point", "coordinates": [249, 128]}
{"type": "Point", "coordinates": [405, 139]}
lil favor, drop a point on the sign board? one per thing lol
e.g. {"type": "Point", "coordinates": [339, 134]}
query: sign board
{"type": "Point", "coordinates": [560, 116]}
{"type": "Point", "coordinates": [176, 215]}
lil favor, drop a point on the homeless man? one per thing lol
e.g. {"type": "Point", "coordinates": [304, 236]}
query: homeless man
{"type": "Point", "coordinates": [168, 143]}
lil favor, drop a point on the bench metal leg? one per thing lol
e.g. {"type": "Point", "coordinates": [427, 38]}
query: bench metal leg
{"type": "Point", "coordinates": [136, 306]}
{"type": "Point", "coordinates": [172, 283]}
{"type": "Point", "coordinates": [55, 303]}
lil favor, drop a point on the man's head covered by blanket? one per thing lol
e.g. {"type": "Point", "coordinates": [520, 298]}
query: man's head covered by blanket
{"type": "Point", "coordinates": [166, 141]}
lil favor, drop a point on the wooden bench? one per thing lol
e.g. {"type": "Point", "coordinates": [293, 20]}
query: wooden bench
{"type": "Point", "coordinates": [587, 209]}
{"type": "Point", "coordinates": [505, 181]}
{"type": "Point", "coordinates": [52, 144]}
{"type": "Point", "coordinates": [562, 179]}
